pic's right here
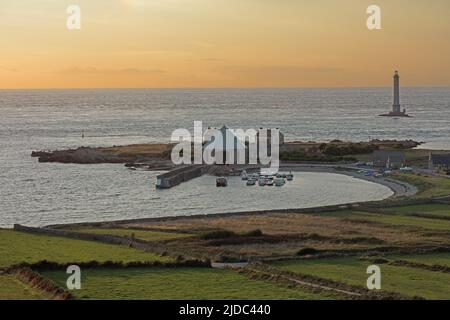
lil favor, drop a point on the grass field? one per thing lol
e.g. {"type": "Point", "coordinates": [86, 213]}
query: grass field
{"type": "Point", "coordinates": [139, 234]}
{"type": "Point", "coordinates": [405, 280]}
{"type": "Point", "coordinates": [177, 283]}
{"type": "Point", "coordinates": [17, 247]}
{"type": "Point", "coordinates": [391, 219]}
{"type": "Point", "coordinates": [432, 209]}
{"type": "Point", "coordinates": [13, 289]}
{"type": "Point", "coordinates": [429, 186]}
{"type": "Point", "coordinates": [442, 259]}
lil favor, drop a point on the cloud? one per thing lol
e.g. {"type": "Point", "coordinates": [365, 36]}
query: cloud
{"type": "Point", "coordinates": [283, 75]}
{"type": "Point", "coordinates": [94, 70]}
{"type": "Point", "coordinates": [150, 3]}
{"type": "Point", "coordinates": [9, 69]}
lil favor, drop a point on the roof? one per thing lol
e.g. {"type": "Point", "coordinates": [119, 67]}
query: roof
{"type": "Point", "coordinates": [228, 142]}
{"type": "Point", "coordinates": [393, 156]}
{"type": "Point", "coordinates": [440, 159]}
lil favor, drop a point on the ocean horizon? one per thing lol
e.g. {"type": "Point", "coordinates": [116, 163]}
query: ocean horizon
{"type": "Point", "coordinates": [37, 193]}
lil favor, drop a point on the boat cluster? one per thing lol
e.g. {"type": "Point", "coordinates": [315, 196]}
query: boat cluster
{"type": "Point", "coordinates": [278, 180]}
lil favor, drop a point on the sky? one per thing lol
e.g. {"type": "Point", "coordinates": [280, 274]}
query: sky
{"type": "Point", "coordinates": [216, 43]}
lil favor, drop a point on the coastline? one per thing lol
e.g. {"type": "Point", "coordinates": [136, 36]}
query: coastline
{"type": "Point", "coordinates": [399, 189]}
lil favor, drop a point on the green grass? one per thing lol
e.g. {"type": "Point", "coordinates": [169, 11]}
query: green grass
{"type": "Point", "coordinates": [177, 283]}
{"type": "Point", "coordinates": [405, 280]}
{"type": "Point", "coordinates": [139, 234]}
{"type": "Point", "coordinates": [442, 259]}
{"type": "Point", "coordinates": [432, 209]}
{"type": "Point", "coordinates": [391, 219]}
{"type": "Point", "coordinates": [13, 289]}
{"type": "Point", "coordinates": [394, 219]}
{"type": "Point", "coordinates": [17, 247]}
{"type": "Point", "coordinates": [429, 186]}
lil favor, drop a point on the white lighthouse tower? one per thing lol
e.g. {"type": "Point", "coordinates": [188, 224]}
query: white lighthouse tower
{"type": "Point", "coordinates": [396, 105]}
{"type": "Point", "coordinates": [396, 108]}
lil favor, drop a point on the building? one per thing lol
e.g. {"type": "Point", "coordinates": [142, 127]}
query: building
{"type": "Point", "coordinates": [385, 159]}
{"type": "Point", "coordinates": [226, 146]}
{"type": "Point", "coordinates": [439, 161]}
{"type": "Point", "coordinates": [229, 148]}
{"type": "Point", "coordinates": [396, 107]}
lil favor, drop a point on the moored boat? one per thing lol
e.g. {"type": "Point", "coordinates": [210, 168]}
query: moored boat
{"type": "Point", "coordinates": [221, 182]}
{"type": "Point", "coordinates": [279, 182]}
{"type": "Point", "coordinates": [262, 181]}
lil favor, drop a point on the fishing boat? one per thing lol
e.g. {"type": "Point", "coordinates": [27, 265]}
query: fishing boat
{"type": "Point", "coordinates": [279, 182]}
{"type": "Point", "coordinates": [244, 175]}
{"type": "Point", "coordinates": [251, 182]}
{"type": "Point", "coordinates": [262, 181]}
{"type": "Point", "coordinates": [221, 182]}
{"type": "Point", "coordinates": [290, 176]}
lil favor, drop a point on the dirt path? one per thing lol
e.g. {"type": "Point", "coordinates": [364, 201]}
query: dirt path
{"type": "Point", "coordinates": [308, 284]}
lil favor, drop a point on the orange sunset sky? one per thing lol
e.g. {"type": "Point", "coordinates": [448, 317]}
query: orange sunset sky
{"type": "Point", "coordinates": [216, 43]}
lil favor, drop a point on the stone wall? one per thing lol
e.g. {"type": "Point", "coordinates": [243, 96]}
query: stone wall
{"type": "Point", "coordinates": [136, 243]}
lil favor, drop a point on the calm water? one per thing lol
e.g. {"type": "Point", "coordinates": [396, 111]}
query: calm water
{"type": "Point", "coordinates": [38, 194]}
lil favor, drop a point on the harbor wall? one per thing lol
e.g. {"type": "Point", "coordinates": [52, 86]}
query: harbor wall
{"type": "Point", "coordinates": [175, 177]}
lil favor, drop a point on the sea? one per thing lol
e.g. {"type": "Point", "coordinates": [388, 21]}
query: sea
{"type": "Point", "coordinates": [38, 194]}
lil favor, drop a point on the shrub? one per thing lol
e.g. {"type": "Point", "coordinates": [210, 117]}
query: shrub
{"type": "Point", "coordinates": [217, 234]}
{"type": "Point", "coordinates": [348, 149]}
{"type": "Point", "coordinates": [253, 233]}
{"type": "Point", "coordinates": [228, 259]}
{"type": "Point", "coordinates": [306, 251]}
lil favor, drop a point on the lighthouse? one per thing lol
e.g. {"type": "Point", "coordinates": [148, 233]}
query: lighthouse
{"type": "Point", "coordinates": [396, 105]}
{"type": "Point", "coordinates": [396, 108]}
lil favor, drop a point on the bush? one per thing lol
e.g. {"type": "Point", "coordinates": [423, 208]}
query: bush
{"type": "Point", "coordinates": [302, 156]}
{"type": "Point", "coordinates": [217, 234]}
{"type": "Point", "coordinates": [228, 259]}
{"type": "Point", "coordinates": [306, 251]}
{"type": "Point", "coordinates": [253, 233]}
{"type": "Point", "coordinates": [348, 149]}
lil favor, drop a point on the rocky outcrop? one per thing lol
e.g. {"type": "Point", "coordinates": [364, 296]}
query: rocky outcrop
{"type": "Point", "coordinates": [81, 155]}
{"type": "Point", "coordinates": [122, 154]}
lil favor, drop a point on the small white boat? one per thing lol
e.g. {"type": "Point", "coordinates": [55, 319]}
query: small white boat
{"type": "Point", "coordinates": [251, 182]}
{"type": "Point", "coordinates": [244, 175]}
{"type": "Point", "coordinates": [279, 182]}
{"type": "Point", "coordinates": [262, 181]}
{"type": "Point", "coordinates": [269, 182]}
